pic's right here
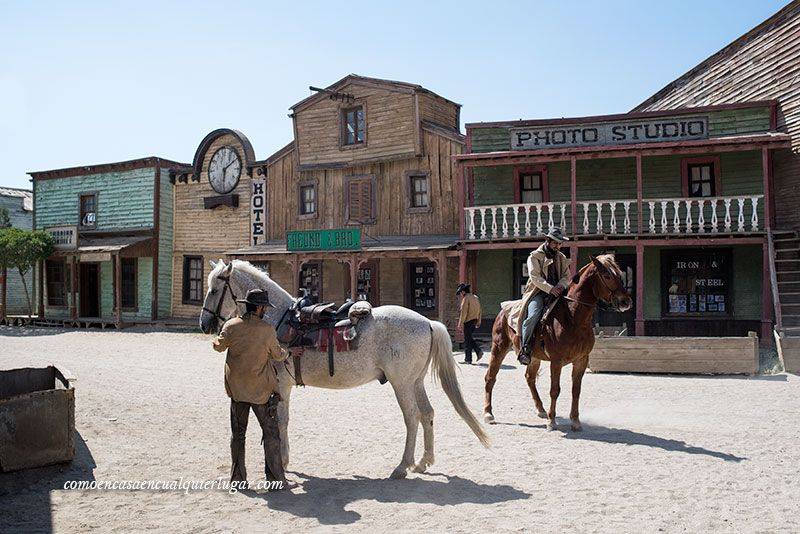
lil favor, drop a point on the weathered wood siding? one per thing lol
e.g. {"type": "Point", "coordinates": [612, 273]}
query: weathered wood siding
{"type": "Point", "coordinates": [630, 354]}
{"type": "Point", "coordinates": [16, 304]}
{"type": "Point", "coordinates": [493, 289]}
{"type": "Point", "coordinates": [144, 283]}
{"type": "Point", "coordinates": [165, 239]}
{"type": "Point", "coordinates": [392, 272]}
{"type": "Point", "coordinates": [391, 195]}
{"type": "Point", "coordinates": [389, 125]}
{"type": "Point", "coordinates": [124, 199]}
{"type": "Point", "coordinates": [206, 232]}
{"type": "Point", "coordinates": [763, 64]}
{"type": "Point", "coordinates": [438, 110]}
{"type": "Point", "coordinates": [720, 123]}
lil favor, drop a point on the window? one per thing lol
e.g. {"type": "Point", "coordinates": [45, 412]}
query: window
{"type": "Point", "coordinates": [310, 276]}
{"type": "Point", "coordinates": [418, 187]}
{"type": "Point", "coordinates": [360, 199]}
{"type": "Point", "coordinates": [308, 200]}
{"type": "Point", "coordinates": [128, 287]}
{"type": "Point", "coordinates": [701, 177]}
{"type": "Point", "coordinates": [88, 213]}
{"type": "Point", "coordinates": [56, 282]}
{"type": "Point", "coordinates": [530, 184]}
{"type": "Point", "coordinates": [696, 282]}
{"type": "Point", "coordinates": [353, 126]}
{"type": "Point", "coordinates": [192, 279]}
{"type": "Point", "coordinates": [422, 286]}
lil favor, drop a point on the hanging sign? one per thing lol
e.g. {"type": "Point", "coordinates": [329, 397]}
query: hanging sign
{"type": "Point", "coordinates": [64, 237]}
{"type": "Point", "coordinates": [258, 211]}
{"type": "Point", "coordinates": [347, 239]}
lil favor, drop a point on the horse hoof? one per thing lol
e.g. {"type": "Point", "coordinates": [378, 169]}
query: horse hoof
{"type": "Point", "coordinates": [399, 473]}
{"type": "Point", "coordinates": [576, 426]}
{"type": "Point", "coordinates": [551, 427]}
{"type": "Point", "coordinates": [420, 468]}
{"type": "Point", "coordinates": [488, 418]}
{"type": "Point", "coordinates": [542, 414]}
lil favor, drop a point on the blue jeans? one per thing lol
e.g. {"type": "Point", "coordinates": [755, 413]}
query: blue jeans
{"type": "Point", "coordinates": [535, 309]}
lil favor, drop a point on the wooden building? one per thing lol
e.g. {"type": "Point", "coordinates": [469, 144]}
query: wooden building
{"type": "Point", "coordinates": [112, 225]}
{"type": "Point", "coordinates": [762, 64]}
{"type": "Point", "coordinates": [370, 166]}
{"type": "Point", "coordinates": [17, 205]}
{"type": "Point", "coordinates": [682, 198]}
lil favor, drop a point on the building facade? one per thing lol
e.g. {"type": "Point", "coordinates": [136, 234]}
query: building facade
{"type": "Point", "coordinates": [361, 203]}
{"type": "Point", "coordinates": [682, 198]}
{"type": "Point", "coordinates": [112, 225]}
{"type": "Point", "coordinates": [17, 204]}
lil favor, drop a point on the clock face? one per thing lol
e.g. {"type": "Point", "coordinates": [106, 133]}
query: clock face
{"type": "Point", "coordinates": [224, 170]}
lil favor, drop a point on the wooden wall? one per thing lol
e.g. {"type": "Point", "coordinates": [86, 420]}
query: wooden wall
{"type": "Point", "coordinates": [391, 196]}
{"type": "Point", "coordinates": [437, 110]}
{"type": "Point", "coordinates": [390, 123]}
{"type": "Point", "coordinates": [763, 64]}
{"type": "Point", "coordinates": [207, 232]}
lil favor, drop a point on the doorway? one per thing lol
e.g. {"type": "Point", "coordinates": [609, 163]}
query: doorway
{"type": "Point", "coordinates": [608, 316]}
{"type": "Point", "coordinates": [367, 280]}
{"type": "Point", "coordinates": [90, 290]}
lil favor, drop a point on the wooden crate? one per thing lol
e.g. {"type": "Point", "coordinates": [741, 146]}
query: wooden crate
{"type": "Point", "coordinates": [688, 355]}
{"type": "Point", "coordinates": [789, 351]}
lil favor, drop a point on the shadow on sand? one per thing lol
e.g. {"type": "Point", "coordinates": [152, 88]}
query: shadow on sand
{"type": "Point", "coordinates": [326, 499]}
{"type": "Point", "coordinates": [25, 504]}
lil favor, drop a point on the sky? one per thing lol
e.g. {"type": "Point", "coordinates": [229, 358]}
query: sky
{"type": "Point", "coordinates": [85, 82]}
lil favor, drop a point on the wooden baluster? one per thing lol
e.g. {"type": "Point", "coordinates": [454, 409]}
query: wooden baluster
{"type": "Point", "coordinates": [688, 204]}
{"type": "Point", "coordinates": [471, 222]}
{"type": "Point", "coordinates": [714, 220]}
{"type": "Point", "coordinates": [563, 224]}
{"type": "Point", "coordinates": [701, 218]}
{"type": "Point", "coordinates": [652, 217]}
{"type": "Point", "coordinates": [613, 223]}
{"type": "Point", "coordinates": [483, 223]}
{"type": "Point", "coordinates": [515, 212]}
{"type": "Point", "coordinates": [494, 222]}
{"type": "Point", "coordinates": [550, 223]}
{"type": "Point", "coordinates": [727, 214]}
{"type": "Point", "coordinates": [585, 217]}
{"type": "Point", "coordinates": [627, 227]}
{"type": "Point", "coordinates": [505, 220]}
{"type": "Point", "coordinates": [538, 219]}
{"type": "Point", "coordinates": [663, 216]}
{"type": "Point", "coordinates": [599, 206]}
{"type": "Point", "coordinates": [527, 220]}
{"type": "Point", "coordinates": [754, 218]}
{"type": "Point", "coordinates": [740, 200]}
{"type": "Point", "coordinates": [676, 221]}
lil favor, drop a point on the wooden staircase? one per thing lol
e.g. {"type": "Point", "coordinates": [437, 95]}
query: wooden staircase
{"type": "Point", "coordinates": [786, 246]}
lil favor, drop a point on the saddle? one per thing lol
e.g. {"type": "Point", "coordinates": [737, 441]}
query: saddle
{"type": "Point", "coordinates": [324, 327]}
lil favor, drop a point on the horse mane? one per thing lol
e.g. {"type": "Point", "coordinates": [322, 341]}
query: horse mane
{"type": "Point", "coordinates": [607, 260]}
{"type": "Point", "coordinates": [259, 277]}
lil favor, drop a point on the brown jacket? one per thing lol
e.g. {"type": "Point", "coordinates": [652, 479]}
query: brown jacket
{"type": "Point", "coordinates": [538, 264]}
{"type": "Point", "coordinates": [470, 308]}
{"type": "Point", "coordinates": [251, 345]}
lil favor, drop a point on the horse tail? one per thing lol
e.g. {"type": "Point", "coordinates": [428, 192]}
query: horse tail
{"type": "Point", "coordinates": [444, 370]}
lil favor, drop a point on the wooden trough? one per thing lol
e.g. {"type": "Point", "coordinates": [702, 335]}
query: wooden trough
{"type": "Point", "coordinates": [686, 355]}
{"type": "Point", "coordinates": [37, 417]}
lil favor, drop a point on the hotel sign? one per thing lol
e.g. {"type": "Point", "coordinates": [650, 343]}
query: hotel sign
{"type": "Point", "coordinates": [609, 133]}
{"type": "Point", "coordinates": [258, 211]}
{"type": "Point", "coordinates": [349, 239]}
{"type": "Point", "coordinates": [64, 237]}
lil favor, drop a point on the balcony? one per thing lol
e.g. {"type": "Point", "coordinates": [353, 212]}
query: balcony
{"type": "Point", "coordinates": [661, 216]}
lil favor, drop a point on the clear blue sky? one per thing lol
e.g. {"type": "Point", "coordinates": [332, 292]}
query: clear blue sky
{"type": "Point", "coordinates": [95, 82]}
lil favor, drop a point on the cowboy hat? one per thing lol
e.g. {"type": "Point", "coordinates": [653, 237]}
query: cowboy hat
{"type": "Point", "coordinates": [257, 297]}
{"type": "Point", "coordinates": [556, 235]}
{"type": "Point", "coordinates": [462, 287]}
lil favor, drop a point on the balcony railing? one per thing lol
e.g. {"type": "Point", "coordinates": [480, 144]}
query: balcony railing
{"type": "Point", "coordinates": [668, 216]}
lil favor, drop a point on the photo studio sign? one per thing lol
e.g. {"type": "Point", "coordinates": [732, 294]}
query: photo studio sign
{"type": "Point", "coordinates": [609, 133]}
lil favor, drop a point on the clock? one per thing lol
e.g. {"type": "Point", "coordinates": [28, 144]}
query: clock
{"type": "Point", "coordinates": [224, 170]}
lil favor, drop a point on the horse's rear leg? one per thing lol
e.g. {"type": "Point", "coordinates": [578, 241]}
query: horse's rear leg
{"type": "Point", "coordinates": [555, 390]}
{"type": "Point", "coordinates": [426, 417]}
{"type": "Point", "coordinates": [408, 404]}
{"type": "Point", "coordinates": [578, 369]}
{"type": "Point", "coordinates": [531, 372]}
{"type": "Point", "coordinates": [500, 346]}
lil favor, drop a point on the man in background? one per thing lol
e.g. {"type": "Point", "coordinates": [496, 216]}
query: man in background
{"type": "Point", "coordinates": [469, 321]}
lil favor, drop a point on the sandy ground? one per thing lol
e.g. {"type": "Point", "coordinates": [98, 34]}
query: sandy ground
{"type": "Point", "coordinates": [658, 453]}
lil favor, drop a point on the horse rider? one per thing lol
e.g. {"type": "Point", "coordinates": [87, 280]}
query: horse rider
{"type": "Point", "coordinates": [251, 383]}
{"type": "Point", "coordinates": [469, 320]}
{"type": "Point", "coordinates": [548, 274]}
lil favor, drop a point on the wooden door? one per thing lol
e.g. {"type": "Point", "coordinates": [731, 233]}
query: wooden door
{"type": "Point", "coordinates": [90, 290]}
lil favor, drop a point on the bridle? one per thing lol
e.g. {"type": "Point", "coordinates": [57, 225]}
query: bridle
{"type": "Point", "coordinates": [610, 291]}
{"type": "Point", "coordinates": [225, 290]}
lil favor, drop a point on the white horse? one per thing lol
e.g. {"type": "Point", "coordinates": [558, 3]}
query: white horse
{"type": "Point", "coordinates": [394, 343]}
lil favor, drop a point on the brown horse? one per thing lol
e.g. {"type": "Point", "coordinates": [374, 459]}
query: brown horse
{"type": "Point", "coordinates": [568, 336]}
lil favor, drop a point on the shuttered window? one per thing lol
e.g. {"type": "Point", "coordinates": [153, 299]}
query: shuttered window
{"type": "Point", "coordinates": [192, 279]}
{"type": "Point", "coordinates": [56, 282]}
{"type": "Point", "coordinates": [361, 199]}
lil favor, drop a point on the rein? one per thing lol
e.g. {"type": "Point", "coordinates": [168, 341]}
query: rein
{"type": "Point", "coordinates": [225, 290]}
{"type": "Point", "coordinates": [610, 292]}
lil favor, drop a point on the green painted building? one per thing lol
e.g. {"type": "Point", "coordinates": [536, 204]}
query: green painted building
{"type": "Point", "coordinates": [112, 225]}
{"type": "Point", "coordinates": [682, 198]}
{"type": "Point", "coordinates": [17, 205]}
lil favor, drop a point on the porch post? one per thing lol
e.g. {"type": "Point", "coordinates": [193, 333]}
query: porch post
{"type": "Point", "coordinates": [460, 210]}
{"type": "Point", "coordinates": [766, 169]}
{"type": "Point", "coordinates": [354, 276]}
{"type": "Point", "coordinates": [766, 299]}
{"type": "Point", "coordinates": [574, 180]}
{"type": "Point", "coordinates": [639, 189]}
{"type": "Point", "coordinates": [442, 272]}
{"type": "Point", "coordinates": [462, 265]}
{"type": "Point", "coordinates": [73, 309]}
{"type": "Point", "coordinates": [4, 281]}
{"type": "Point", "coordinates": [41, 289]}
{"type": "Point", "coordinates": [296, 276]}
{"type": "Point", "coordinates": [639, 289]}
{"type": "Point", "coordinates": [118, 288]}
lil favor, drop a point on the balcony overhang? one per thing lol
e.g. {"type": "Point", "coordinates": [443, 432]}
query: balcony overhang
{"type": "Point", "coordinates": [737, 143]}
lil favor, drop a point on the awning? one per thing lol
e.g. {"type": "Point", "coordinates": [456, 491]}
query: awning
{"type": "Point", "coordinates": [368, 244]}
{"type": "Point", "coordinates": [101, 248]}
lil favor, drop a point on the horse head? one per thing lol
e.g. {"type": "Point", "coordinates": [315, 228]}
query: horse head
{"type": "Point", "coordinates": [609, 286]}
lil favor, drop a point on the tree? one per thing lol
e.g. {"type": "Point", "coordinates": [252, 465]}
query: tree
{"type": "Point", "coordinates": [5, 218]}
{"type": "Point", "coordinates": [22, 250]}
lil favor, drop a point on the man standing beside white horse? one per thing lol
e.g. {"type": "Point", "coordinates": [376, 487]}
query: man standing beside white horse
{"type": "Point", "coordinates": [395, 344]}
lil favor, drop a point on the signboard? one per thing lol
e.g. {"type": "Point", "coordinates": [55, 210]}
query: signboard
{"type": "Point", "coordinates": [348, 239]}
{"type": "Point", "coordinates": [609, 133]}
{"type": "Point", "coordinates": [91, 257]}
{"type": "Point", "coordinates": [64, 237]}
{"type": "Point", "coordinates": [697, 282]}
{"type": "Point", "coordinates": [258, 211]}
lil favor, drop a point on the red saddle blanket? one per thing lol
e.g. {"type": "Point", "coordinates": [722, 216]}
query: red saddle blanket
{"type": "Point", "coordinates": [340, 343]}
